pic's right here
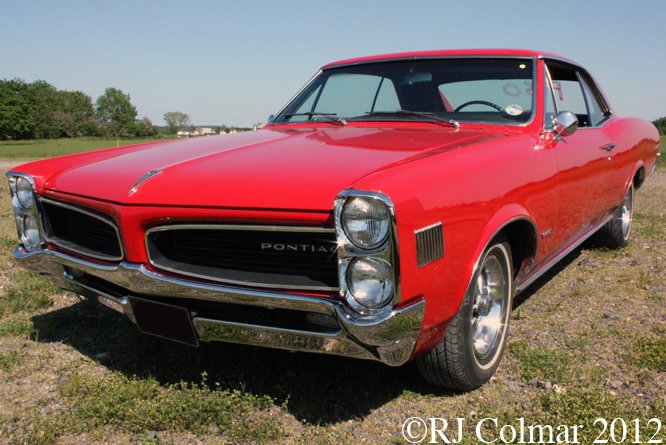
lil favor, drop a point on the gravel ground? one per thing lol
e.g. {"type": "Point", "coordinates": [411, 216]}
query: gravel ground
{"type": "Point", "coordinates": [582, 321]}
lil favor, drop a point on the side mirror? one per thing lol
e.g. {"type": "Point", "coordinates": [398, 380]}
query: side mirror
{"type": "Point", "coordinates": [270, 119]}
{"type": "Point", "coordinates": [565, 124]}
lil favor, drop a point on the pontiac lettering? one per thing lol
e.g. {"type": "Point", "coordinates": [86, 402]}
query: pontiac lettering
{"type": "Point", "coordinates": [298, 247]}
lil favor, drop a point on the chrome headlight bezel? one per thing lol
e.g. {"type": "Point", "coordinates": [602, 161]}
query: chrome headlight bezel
{"type": "Point", "coordinates": [383, 251]}
{"type": "Point", "coordinates": [23, 190]}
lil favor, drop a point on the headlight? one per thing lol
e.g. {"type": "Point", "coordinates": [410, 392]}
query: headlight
{"type": "Point", "coordinates": [24, 193]}
{"type": "Point", "coordinates": [31, 238]}
{"type": "Point", "coordinates": [370, 282]}
{"type": "Point", "coordinates": [365, 221]}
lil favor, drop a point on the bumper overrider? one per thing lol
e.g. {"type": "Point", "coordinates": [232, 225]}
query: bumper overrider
{"type": "Point", "coordinates": [388, 336]}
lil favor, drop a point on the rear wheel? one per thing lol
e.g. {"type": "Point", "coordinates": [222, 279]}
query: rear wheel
{"type": "Point", "coordinates": [616, 232]}
{"type": "Point", "coordinates": [472, 347]}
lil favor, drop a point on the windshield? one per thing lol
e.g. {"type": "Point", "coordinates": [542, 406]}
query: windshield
{"type": "Point", "coordinates": [479, 90]}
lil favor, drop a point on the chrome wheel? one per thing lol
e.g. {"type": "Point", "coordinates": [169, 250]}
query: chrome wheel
{"type": "Point", "coordinates": [489, 309]}
{"type": "Point", "coordinates": [627, 213]}
{"type": "Point", "coordinates": [472, 347]}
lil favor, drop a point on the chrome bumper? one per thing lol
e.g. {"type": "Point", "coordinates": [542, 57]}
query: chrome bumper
{"type": "Point", "coordinates": [389, 339]}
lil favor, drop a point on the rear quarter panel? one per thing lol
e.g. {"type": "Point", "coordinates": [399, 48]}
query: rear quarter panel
{"type": "Point", "coordinates": [636, 141]}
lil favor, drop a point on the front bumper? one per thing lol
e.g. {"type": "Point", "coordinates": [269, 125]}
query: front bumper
{"type": "Point", "coordinates": [389, 338]}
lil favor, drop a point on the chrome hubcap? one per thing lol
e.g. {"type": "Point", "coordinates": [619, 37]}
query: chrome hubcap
{"type": "Point", "coordinates": [627, 213]}
{"type": "Point", "coordinates": [488, 310]}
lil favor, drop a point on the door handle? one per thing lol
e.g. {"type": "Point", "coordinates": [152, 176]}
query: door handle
{"type": "Point", "coordinates": [609, 147]}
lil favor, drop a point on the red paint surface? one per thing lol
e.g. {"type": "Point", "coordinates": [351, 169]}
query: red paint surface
{"type": "Point", "coordinates": [474, 180]}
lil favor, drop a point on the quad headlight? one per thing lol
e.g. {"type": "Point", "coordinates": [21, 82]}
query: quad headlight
{"type": "Point", "coordinates": [365, 226]}
{"type": "Point", "coordinates": [28, 223]}
{"type": "Point", "coordinates": [365, 221]}
{"type": "Point", "coordinates": [24, 193]}
{"type": "Point", "coordinates": [370, 282]}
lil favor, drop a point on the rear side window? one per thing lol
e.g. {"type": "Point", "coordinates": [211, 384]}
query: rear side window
{"type": "Point", "coordinates": [574, 91]}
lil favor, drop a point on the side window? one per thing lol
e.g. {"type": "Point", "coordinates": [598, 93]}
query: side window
{"type": "Point", "coordinates": [569, 96]}
{"type": "Point", "coordinates": [596, 112]}
{"type": "Point", "coordinates": [568, 92]}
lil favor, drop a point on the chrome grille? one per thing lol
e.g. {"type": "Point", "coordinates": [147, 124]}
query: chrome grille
{"type": "Point", "coordinates": [429, 244]}
{"type": "Point", "coordinates": [282, 257]}
{"type": "Point", "coordinates": [81, 231]}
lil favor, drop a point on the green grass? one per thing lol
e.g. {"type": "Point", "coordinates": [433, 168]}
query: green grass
{"type": "Point", "coordinates": [649, 353]}
{"type": "Point", "coordinates": [49, 148]}
{"type": "Point", "coordinates": [546, 363]}
{"type": "Point", "coordinates": [139, 405]}
{"type": "Point", "coordinates": [10, 359]}
{"type": "Point", "coordinates": [31, 293]}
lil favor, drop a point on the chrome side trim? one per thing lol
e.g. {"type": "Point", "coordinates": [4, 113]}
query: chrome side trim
{"type": "Point", "coordinates": [654, 168]}
{"type": "Point", "coordinates": [539, 272]}
{"type": "Point", "coordinates": [305, 229]}
{"type": "Point", "coordinates": [93, 215]}
{"type": "Point", "coordinates": [143, 179]}
{"type": "Point", "coordinates": [389, 338]}
{"type": "Point", "coordinates": [429, 244]}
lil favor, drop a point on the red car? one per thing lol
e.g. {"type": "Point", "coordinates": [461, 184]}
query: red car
{"type": "Point", "coordinates": [390, 211]}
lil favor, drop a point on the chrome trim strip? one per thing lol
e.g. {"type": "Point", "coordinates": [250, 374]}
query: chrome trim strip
{"type": "Point", "coordinates": [523, 285]}
{"type": "Point", "coordinates": [654, 168]}
{"type": "Point", "coordinates": [429, 57]}
{"type": "Point", "coordinates": [239, 227]}
{"type": "Point", "coordinates": [93, 215]}
{"type": "Point", "coordinates": [294, 97]}
{"type": "Point", "coordinates": [305, 229]}
{"type": "Point", "coordinates": [389, 338]}
{"type": "Point", "coordinates": [429, 244]}
{"type": "Point", "coordinates": [143, 179]}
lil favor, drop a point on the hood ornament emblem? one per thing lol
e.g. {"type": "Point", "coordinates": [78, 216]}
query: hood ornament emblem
{"type": "Point", "coordinates": [143, 179]}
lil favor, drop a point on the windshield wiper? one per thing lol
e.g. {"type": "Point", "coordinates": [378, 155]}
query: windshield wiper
{"type": "Point", "coordinates": [451, 122]}
{"type": "Point", "coordinates": [330, 116]}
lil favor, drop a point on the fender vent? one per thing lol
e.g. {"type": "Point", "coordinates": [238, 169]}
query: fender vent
{"type": "Point", "coordinates": [429, 244]}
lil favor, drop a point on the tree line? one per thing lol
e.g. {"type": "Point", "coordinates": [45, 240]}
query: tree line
{"type": "Point", "coordinates": [660, 124]}
{"type": "Point", "coordinates": [39, 110]}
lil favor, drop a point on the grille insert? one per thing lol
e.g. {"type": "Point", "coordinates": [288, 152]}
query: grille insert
{"type": "Point", "coordinates": [299, 258]}
{"type": "Point", "coordinates": [81, 231]}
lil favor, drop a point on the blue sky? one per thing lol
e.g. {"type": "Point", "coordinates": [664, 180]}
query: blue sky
{"type": "Point", "coordinates": [235, 63]}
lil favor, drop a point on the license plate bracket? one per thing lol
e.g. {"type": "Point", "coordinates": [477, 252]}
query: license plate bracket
{"type": "Point", "coordinates": [164, 320]}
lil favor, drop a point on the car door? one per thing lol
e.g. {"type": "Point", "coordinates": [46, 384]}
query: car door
{"type": "Point", "coordinates": [584, 159]}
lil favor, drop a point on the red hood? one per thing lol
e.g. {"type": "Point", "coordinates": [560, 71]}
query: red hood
{"type": "Point", "coordinates": [286, 169]}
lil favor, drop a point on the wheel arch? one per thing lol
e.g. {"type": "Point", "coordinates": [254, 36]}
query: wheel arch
{"type": "Point", "coordinates": [515, 224]}
{"type": "Point", "coordinates": [638, 177]}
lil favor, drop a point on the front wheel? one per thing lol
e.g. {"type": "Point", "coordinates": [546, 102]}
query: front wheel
{"type": "Point", "coordinates": [472, 347]}
{"type": "Point", "coordinates": [615, 233]}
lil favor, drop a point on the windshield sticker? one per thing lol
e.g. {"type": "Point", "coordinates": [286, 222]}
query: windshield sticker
{"type": "Point", "coordinates": [514, 110]}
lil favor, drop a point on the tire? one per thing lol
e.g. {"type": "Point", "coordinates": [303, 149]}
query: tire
{"type": "Point", "coordinates": [616, 232]}
{"type": "Point", "coordinates": [471, 350]}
